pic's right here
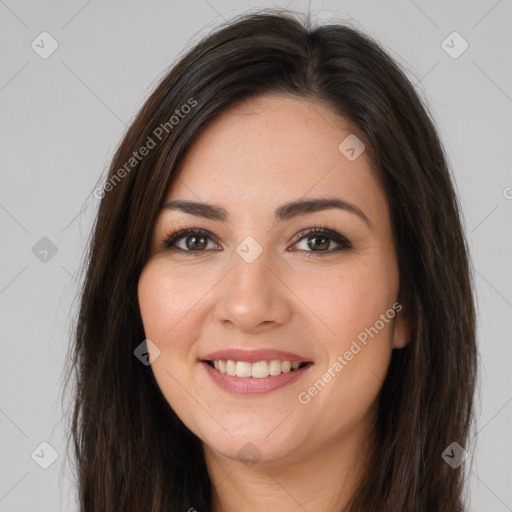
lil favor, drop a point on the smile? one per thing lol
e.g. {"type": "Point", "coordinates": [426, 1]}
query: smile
{"type": "Point", "coordinates": [244, 378]}
{"type": "Point", "coordinates": [257, 370]}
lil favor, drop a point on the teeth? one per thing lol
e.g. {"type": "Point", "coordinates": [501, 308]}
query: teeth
{"type": "Point", "coordinates": [231, 367]}
{"type": "Point", "coordinates": [275, 367]}
{"type": "Point", "coordinates": [243, 369]}
{"type": "Point", "coordinates": [258, 370]}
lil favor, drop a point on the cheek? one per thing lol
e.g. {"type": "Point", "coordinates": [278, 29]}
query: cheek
{"type": "Point", "coordinates": [165, 308]}
{"type": "Point", "coordinates": [167, 316]}
{"type": "Point", "coordinates": [351, 299]}
{"type": "Point", "coordinates": [165, 300]}
{"type": "Point", "coordinates": [357, 307]}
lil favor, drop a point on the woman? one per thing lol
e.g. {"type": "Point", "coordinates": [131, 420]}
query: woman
{"type": "Point", "coordinates": [277, 307]}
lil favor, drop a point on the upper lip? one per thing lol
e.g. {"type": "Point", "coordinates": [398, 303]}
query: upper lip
{"type": "Point", "coordinates": [253, 356]}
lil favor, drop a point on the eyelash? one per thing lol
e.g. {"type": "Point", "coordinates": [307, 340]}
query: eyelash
{"type": "Point", "coordinates": [168, 242]}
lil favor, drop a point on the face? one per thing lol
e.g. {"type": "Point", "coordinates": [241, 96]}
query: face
{"type": "Point", "coordinates": [264, 284]}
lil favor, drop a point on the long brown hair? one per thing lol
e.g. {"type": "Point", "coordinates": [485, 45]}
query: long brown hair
{"type": "Point", "coordinates": [132, 452]}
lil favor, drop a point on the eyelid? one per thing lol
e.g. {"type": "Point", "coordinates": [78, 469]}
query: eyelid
{"type": "Point", "coordinates": [168, 242]}
{"type": "Point", "coordinates": [322, 230]}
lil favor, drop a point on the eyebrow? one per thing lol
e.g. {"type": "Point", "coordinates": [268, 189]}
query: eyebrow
{"type": "Point", "coordinates": [285, 212]}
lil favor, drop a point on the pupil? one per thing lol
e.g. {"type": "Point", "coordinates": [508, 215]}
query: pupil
{"type": "Point", "coordinates": [199, 242]}
{"type": "Point", "coordinates": [194, 244]}
{"type": "Point", "coordinates": [323, 245]}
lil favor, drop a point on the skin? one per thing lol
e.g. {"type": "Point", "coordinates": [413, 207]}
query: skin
{"type": "Point", "coordinates": [250, 160]}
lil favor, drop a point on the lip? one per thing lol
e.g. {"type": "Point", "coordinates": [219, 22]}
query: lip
{"type": "Point", "coordinates": [250, 385]}
{"type": "Point", "coordinates": [253, 356]}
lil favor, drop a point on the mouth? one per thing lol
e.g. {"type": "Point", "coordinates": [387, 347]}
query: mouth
{"type": "Point", "coordinates": [256, 370]}
{"type": "Point", "coordinates": [254, 378]}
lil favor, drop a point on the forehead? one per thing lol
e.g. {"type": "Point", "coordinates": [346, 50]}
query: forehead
{"type": "Point", "coordinates": [273, 149]}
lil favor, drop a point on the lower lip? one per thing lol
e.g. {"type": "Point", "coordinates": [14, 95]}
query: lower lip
{"type": "Point", "coordinates": [251, 385]}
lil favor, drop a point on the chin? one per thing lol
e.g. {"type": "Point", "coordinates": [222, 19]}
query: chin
{"type": "Point", "coordinates": [256, 445]}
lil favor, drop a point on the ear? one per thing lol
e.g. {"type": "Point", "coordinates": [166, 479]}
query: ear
{"type": "Point", "coordinates": [401, 328]}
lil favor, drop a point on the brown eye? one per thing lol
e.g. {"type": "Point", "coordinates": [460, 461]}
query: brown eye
{"type": "Point", "coordinates": [319, 241]}
{"type": "Point", "coordinates": [195, 241]}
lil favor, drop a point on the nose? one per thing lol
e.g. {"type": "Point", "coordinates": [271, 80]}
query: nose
{"type": "Point", "coordinates": [254, 297]}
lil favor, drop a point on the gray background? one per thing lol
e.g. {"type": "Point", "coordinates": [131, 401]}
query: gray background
{"type": "Point", "coordinates": [63, 116]}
